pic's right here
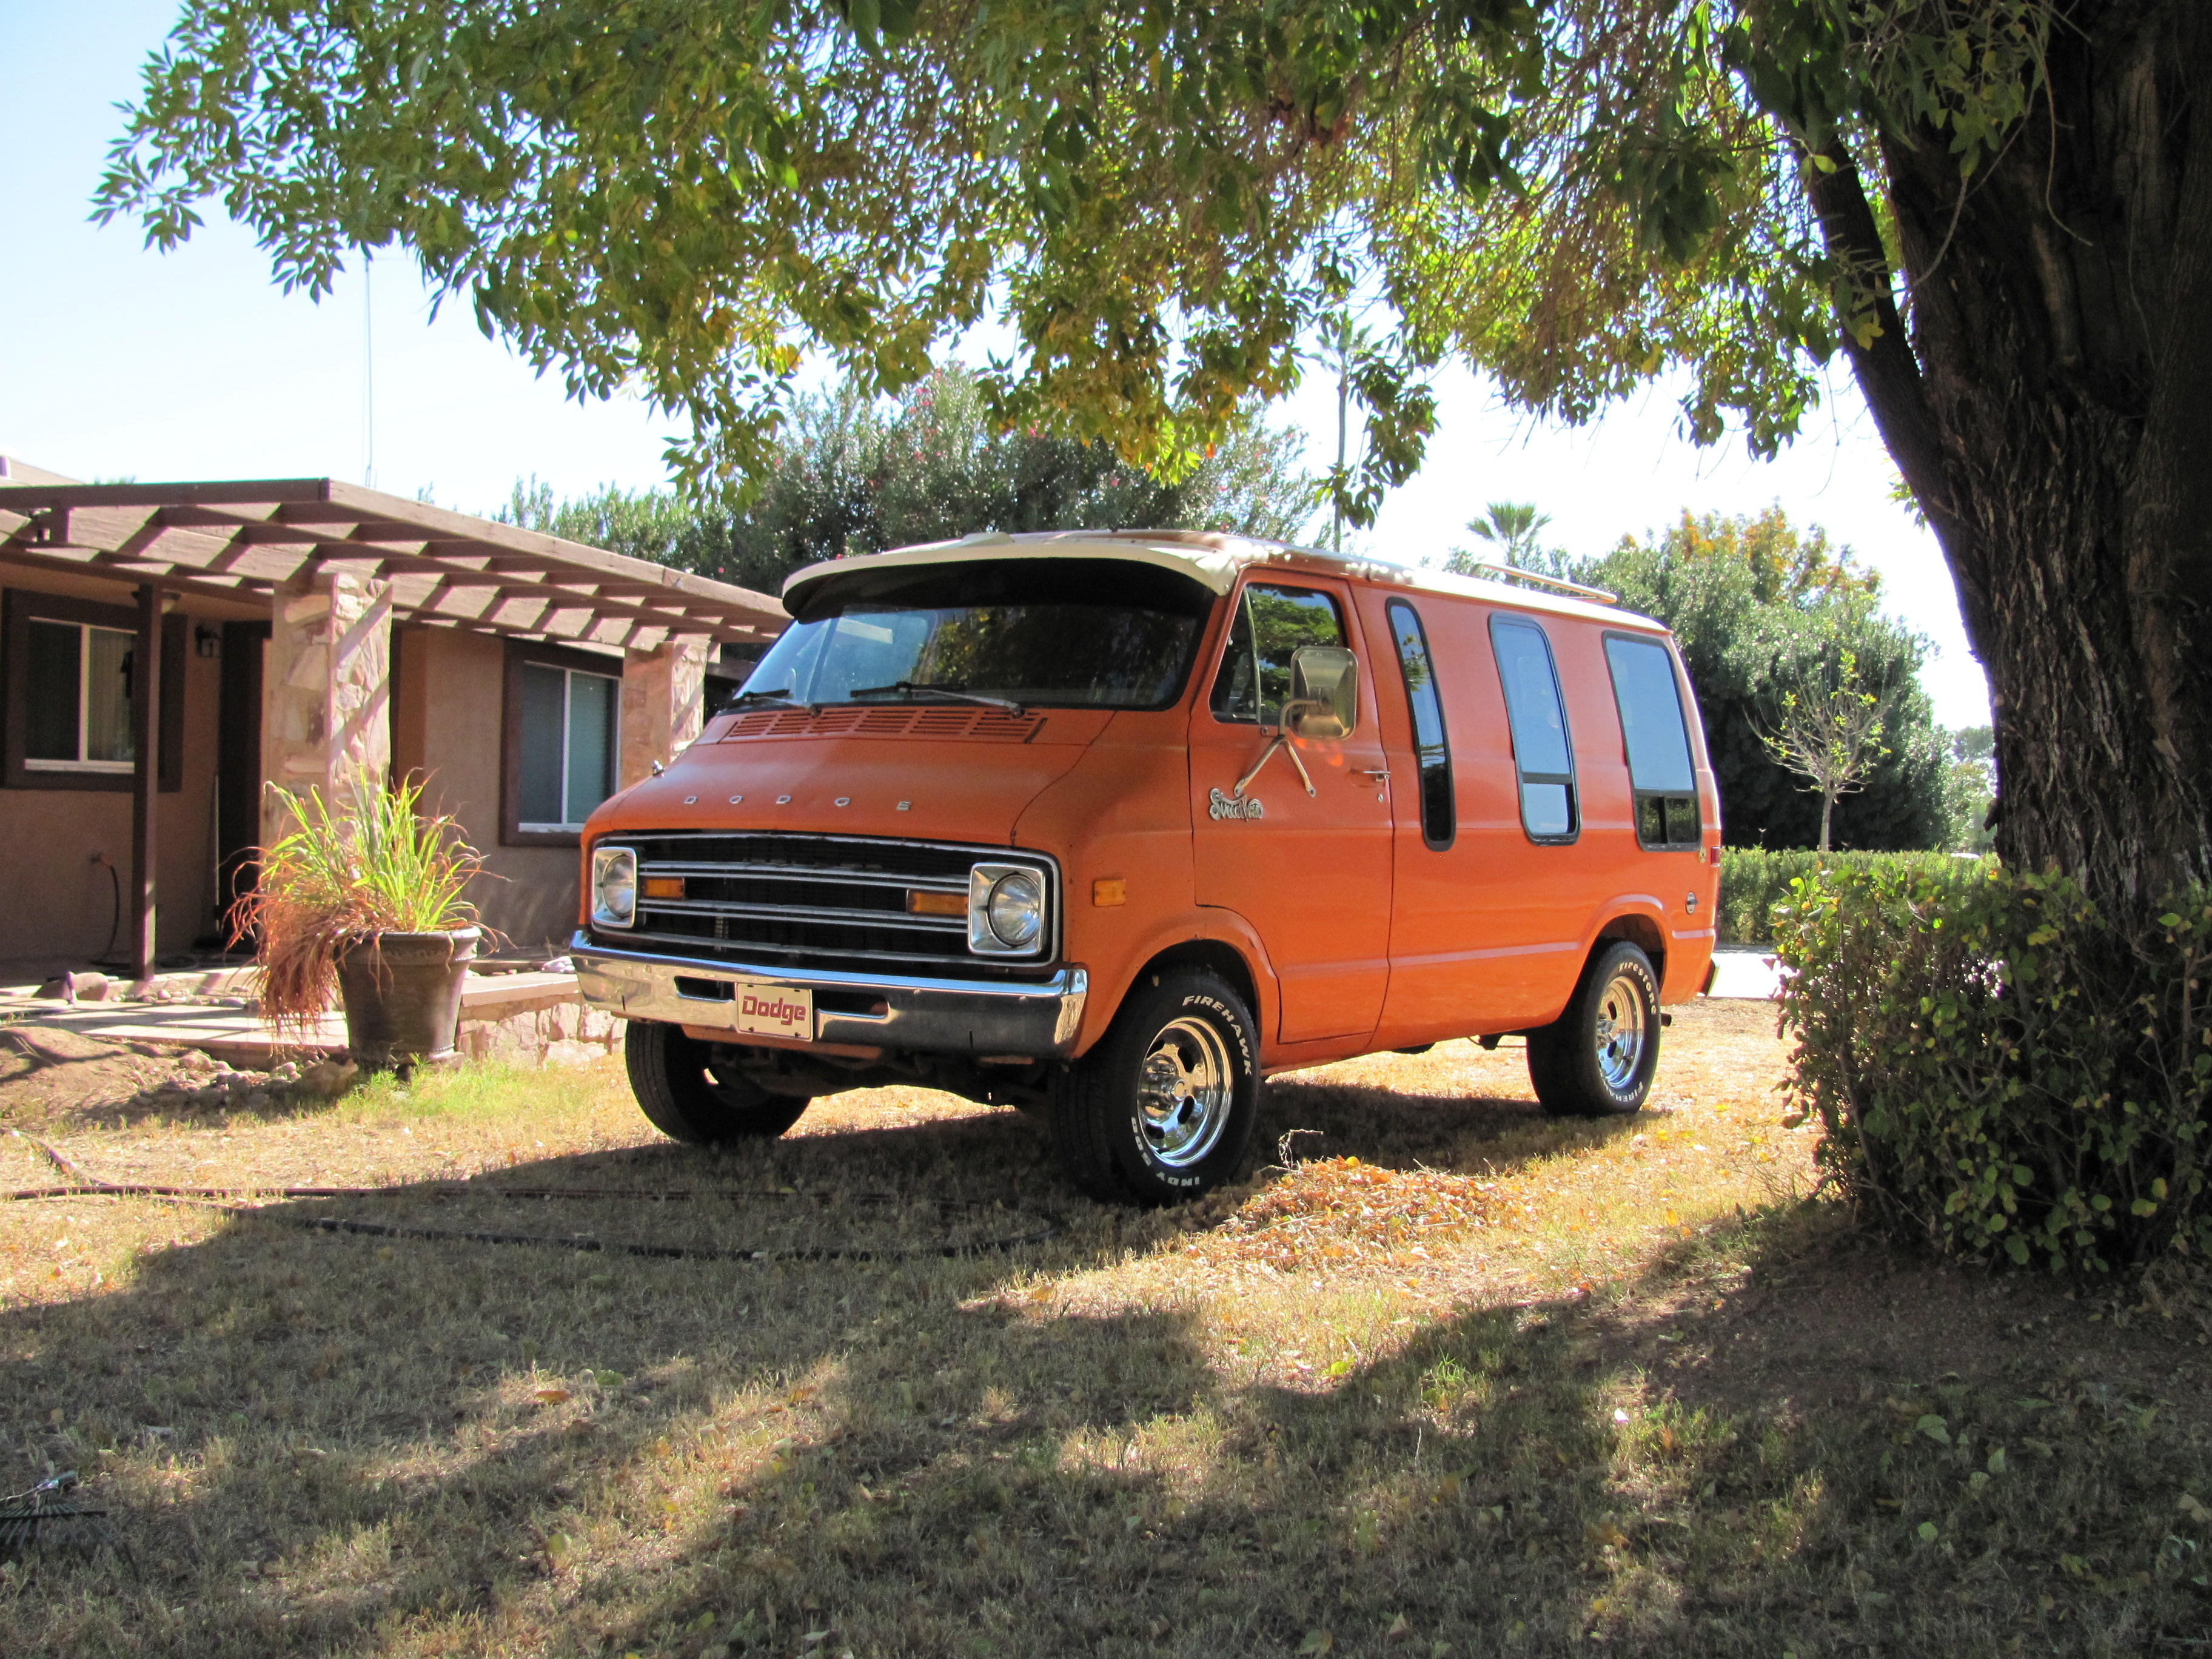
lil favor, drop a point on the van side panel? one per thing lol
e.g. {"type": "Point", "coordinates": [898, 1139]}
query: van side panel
{"type": "Point", "coordinates": [1479, 942]}
{"type": "Point", "coordinates": [1676, 891]}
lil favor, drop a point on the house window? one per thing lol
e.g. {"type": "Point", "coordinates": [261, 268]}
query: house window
{"type": "Point", "coordinates": [570, 728]}
{"type": "Point", "coordinates": [77, 713]}
{"type": "Point", "coordinates": [1543, 752]}
{"type": "Point", "coordinates": [1657, 739]}
{"type": "Point", "coordinates": [66, 720]}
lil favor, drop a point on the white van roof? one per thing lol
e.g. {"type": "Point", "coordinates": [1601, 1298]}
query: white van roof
{"type": "Point", "coordinates": [1213, 560]}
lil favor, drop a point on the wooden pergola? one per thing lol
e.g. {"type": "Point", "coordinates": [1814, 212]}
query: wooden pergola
{"type": "Point", "coordinates": [241, 541]}
{"type": "Point", "coordinates": [252, 541]}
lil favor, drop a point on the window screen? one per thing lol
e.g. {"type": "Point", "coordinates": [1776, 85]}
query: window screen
{"type": "Point", "coordinates": [1272, 623]}
{"type": "Point", "coordinates": [1542, 752]}
{"type": "Point", "coordinates": [1654, 729]}
{"type": "Point", "coordinates": [1432, 753]}
{"type": "Point", "coordinates": [570, 724]}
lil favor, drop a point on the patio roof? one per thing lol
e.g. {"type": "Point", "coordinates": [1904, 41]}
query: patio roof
{"type": "Point", "coordinates": [239, 541]}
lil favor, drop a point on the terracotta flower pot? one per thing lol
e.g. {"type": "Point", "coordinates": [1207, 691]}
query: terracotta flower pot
{"type": "Point", "coordinates": [403, 996]}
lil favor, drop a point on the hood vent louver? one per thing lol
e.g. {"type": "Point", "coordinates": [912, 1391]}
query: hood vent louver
{"type": "Point", "coordinates": [922, 720]}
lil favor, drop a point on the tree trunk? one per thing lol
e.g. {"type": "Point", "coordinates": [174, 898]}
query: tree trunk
{"type": "Point", "coordinates": [2054, 416]}
{"type": "Point", "coordinates": [1827, 812]}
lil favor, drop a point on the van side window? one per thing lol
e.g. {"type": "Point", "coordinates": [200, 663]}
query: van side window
{"type": "Point", "coordinates": [1542, 752]}
{"type": "Point", "coordinates": [1271, 624]}
{"type": "Point", "coordinates": [1432, 753]}
{"type": "Point", "coordinates": [1658, 741]}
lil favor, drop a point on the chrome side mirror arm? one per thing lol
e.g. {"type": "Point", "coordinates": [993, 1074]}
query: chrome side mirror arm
{"type": "Point", "coordinates": [1281, 740]}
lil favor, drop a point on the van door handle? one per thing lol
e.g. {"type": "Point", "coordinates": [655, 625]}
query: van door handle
{"type": "Point", "coordinates": [1380, 774]}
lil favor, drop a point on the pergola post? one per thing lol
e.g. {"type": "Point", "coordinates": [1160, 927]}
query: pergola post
{"type": "Point", "coordinates": [145, 780]}
{"type": "Point", "coordinates": [663, 705]}
{"type": "Point", "coordinates": [326, 693]}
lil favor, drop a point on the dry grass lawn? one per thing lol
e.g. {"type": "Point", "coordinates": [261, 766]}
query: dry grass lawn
{"type": "Point", "coordinates": [1444, 1378]}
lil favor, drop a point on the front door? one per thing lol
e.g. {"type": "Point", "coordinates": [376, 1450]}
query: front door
{"type": "Point", "coordinates": [1311, 872]}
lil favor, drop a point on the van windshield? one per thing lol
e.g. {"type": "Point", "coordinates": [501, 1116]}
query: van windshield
{"type": "Point", "coordinates": [1043, 633]}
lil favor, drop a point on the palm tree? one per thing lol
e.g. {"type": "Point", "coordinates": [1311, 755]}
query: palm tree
{"type": "Point", "coordinates": [1510, 527]}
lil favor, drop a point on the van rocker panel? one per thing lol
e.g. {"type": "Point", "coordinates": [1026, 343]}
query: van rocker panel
{"type": "Point", "coordinates": [920, 1015]}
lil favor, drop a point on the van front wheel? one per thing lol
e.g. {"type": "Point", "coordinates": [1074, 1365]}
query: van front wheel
{"type": "Point", "coordinates": [1162, 1110]}
{"type": "Point", "coordinates": [689, 1098]}
{"type": "Point", "coordinates": [1597, 1060]}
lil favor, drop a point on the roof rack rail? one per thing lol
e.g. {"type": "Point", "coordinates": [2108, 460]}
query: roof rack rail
{"type": "Point", "coordinates": [1599, 595]}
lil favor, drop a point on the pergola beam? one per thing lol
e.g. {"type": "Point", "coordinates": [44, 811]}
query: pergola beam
{"type": "Point", "coordinates": [239, 540]}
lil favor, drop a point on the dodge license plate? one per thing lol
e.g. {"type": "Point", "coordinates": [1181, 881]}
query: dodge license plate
{"type": "Point", "coordinates": [774, 1011]}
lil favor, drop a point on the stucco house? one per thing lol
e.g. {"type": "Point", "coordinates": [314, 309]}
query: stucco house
{"type": "Point", "coordinates": [312, 633]}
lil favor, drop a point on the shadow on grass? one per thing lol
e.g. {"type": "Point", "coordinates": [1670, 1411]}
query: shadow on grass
{"type": "Point", "coordinates": [432, 1449]}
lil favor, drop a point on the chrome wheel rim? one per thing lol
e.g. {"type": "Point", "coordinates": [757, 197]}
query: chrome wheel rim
{"type": "Point", "coordinates": [1184, 1089]}
{"type": "Point", "coordinates": [1622, 1027]}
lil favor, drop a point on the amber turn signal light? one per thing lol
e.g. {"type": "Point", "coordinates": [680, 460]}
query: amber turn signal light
{"type": "Point", "coordinates": [921, 903]}
{"type": "Point", "coordinates": [663, 887]}
{"type": "Point", "coordinates": [1110, 890]}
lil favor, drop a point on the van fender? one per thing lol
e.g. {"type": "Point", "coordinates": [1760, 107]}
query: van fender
{"type": "Point", "coordinates": [1638, 918]}
{"type": "Point", "coordinates": [1199, 925]}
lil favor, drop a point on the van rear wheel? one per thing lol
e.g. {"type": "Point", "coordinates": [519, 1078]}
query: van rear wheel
{"type": "Point", "coordinates": [1597, 1059]}
{"type": "Point", "coordinates": [1162, 1110]}
{"type": "Point", "coordinates": [691, 1097]}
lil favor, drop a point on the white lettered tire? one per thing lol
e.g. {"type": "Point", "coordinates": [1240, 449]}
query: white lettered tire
{"type": "Point", "coordinates": [1162, 1109]}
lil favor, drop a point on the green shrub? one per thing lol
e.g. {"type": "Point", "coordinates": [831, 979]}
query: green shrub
{"type": "Point", "coordinates": [1754, 880]}
{"type": "Point", "coordinates": [1997, 1069]}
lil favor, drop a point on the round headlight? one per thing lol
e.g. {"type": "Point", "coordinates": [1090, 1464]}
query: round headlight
{"type": "Point", "coordinates": [1016, 909]}
{"type": "Point", "coordinates": [614, 887]}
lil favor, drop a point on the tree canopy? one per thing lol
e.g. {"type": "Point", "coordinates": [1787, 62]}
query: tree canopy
{"type": "Point", "coordinates": [1162, 199]}
{"type": "Point", "coordinates": [854, 475]}
{"type": "Point", "coordinates": [1995, 211]}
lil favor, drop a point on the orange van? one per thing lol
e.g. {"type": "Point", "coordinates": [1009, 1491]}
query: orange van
{"type": "Point", "coordinates": [1114, 825]}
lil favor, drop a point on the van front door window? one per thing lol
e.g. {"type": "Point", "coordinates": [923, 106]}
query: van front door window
{"type": "Point", "coordinates": [1271, 624]}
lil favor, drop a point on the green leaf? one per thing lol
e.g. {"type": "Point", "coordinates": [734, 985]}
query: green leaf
{"type": "Point", "coordinates": [1934, 1428]}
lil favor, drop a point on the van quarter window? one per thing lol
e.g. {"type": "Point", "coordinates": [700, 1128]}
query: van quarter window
{"type": "Point", "coordinates": [1658, 741]}
{"type": "Point", "coordinates": [1430, 750]}
{"type": "Point", "coordinates": [1272, 623]}
{"type": "Point", "coordinates": [1542, 752]}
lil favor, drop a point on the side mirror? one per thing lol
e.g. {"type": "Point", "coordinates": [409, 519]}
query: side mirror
{"type": "Point", "coordinates": [1324, 701]}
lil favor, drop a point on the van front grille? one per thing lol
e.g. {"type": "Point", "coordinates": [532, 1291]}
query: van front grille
{"type": "Point", "coordinates": [830, 901]}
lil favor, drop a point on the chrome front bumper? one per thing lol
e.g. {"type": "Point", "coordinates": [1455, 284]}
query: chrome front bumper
{"type": "Point", "coordinates": [918, 1015]}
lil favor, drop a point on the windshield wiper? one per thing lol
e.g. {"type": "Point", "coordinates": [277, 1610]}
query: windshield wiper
{"type": "Point", "coordinates": [912, 692]}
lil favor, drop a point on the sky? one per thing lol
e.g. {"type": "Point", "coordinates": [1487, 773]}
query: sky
{"type": "Point", "coordinates": [122, 362]}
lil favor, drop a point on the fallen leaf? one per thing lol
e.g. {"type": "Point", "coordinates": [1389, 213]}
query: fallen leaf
{"type": "Point", "coordinates": [1398, 1628]}
{"type": "Point", "coordinates": [553, 1396]}
{"type": "Point", "coordinates": [1934, 1428]}
{"type": "Point", "coordinates": [1317, 1641]}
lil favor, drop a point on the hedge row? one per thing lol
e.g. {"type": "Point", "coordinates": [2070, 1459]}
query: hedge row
{"type": "Point", "coordinates": [1999, 1072]}
{"type": "Point", "coordinates": [1754, 881]}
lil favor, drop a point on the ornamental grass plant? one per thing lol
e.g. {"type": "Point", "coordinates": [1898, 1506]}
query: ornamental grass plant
{"type": "Point", "coordinates": [2000, 1071]}
{"type": "Point", "coordinates": [338, 879]}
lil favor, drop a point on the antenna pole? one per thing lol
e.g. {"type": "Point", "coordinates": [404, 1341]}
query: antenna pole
{"type": "Point", "coordinates": [367, 370]}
